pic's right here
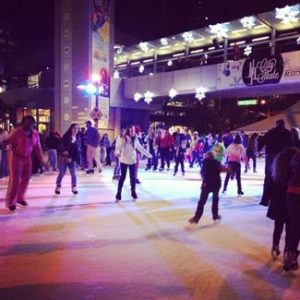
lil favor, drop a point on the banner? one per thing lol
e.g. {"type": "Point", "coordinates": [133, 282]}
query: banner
{"type": "Point", "coordinates": [100, 53]}
{"type": "Point", "coordinates": [229, 75]}
{"type": "Point", "coordinates": [259, 70]}
{"type": "Point", "coordinates": [262, 70]}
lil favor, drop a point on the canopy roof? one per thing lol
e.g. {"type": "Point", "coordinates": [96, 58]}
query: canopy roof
{"type": "Point", "coordinates": [260, 25]}
{"type": "Point", "coordinates": [291, 117]}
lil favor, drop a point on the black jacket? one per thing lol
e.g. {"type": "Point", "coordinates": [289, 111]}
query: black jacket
{"type": "Point", "coordinates": [210, 173]}
{"type": "Point", "coordinates": [275, 140]}
{"type": "Point", "coordinates": [73, 149]}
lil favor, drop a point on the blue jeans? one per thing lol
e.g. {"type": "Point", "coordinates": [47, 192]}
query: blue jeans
{"type": "Point", "coordinates": [63, 165]}
{"type": "Point", "coordinates": [52, 157]}
{"type": "Point", "coordinates": [117, 167]}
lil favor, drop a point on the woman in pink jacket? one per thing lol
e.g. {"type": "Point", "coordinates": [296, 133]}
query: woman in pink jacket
{"type": "Point", "coordinates": [235, 155]}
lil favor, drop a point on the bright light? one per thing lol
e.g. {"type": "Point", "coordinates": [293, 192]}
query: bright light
{"type": "Point", "coordinates": [1, 89]}
{"type": "Point", "coordinates": [100, 89]}
{"type": "Point", "coordinates": [188, 37]}
{"type": "Point", "coordinates": [81, 87]}
{"type": "Point", "coordinates": [90, 89]}
{"type": "Point", "coordinates": [263, 38]}
{"type": "Point", "coordinates": [248, 50]}
{"type": "Point", "coordinates": [144, 46]}
{"type": "Point", "coordinates": [170, 63]}
{"type": "Point", "coordinates": [164, 41]}
{"type": "Point", "coordinates": [151, 74]}
{"type": "Point", "coordinates": [288, 14]}
{"type": "Point", "coordinates": [298, 41]}
{"type": "Point", "coordinates": [141, 69]}
{"type": "Point", "coordinates": [200, 93]}
{"type": "Point", "coordinates": [248, 22]}
{"type": "Point", "coordinates": [148, 97]}
{"type": "Point", "coordinates": [263, 102]}
{"type": "Point", "coordinates": [137, 97]}
{"type": "Point", "coordinates": [116, 74]}
{"type": "Point", "coordinates": [219, 30]}
{"type": "Point", "coordinates": [120, 50]}
{"type": "Point", "coordinates": [95, 77]}
{"type": "Point", "coordinates": [172, 93]}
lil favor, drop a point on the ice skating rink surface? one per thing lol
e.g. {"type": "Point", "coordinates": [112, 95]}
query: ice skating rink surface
{"type": "Point", "coordinates": [88, 247]}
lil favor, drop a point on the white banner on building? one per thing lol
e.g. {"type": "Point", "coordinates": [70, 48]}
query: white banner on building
{"type": "Point", "coordinates": [229, 75]}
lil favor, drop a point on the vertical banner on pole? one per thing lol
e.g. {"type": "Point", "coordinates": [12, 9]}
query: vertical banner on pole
{"type": "Point", "coordinates": [101, 26]}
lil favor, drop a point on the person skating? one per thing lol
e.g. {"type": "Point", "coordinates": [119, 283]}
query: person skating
{"type": "Point", "coordinates": [293, 208]}
{"type": "Point", "coordinates": [126, 149]}
{"type": "Point", "coordinates": [275, 140]}
{"type": "Point", "coordinates": [211, 183]}
{"type": "Point", "coordinates": [92, 142]}
{"type": "Point", "coordinates": [179, 156]}
{"type": "Point", "coordinates": [235, 153]}
{"type": "Point", "coordinates": [277, 210]}
{"type": "Point", "coordinates": [251, 152]}
{"type": "Point", "coordinates": [69, 157]}
{"type": "Point", "coordinates": [117, 168]}
{"type": "Point", "coordinates": [23, 141]}
{"type": "Point", "coordinates": [166, 143]}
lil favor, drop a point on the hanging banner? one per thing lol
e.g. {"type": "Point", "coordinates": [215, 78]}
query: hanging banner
{"type": "Point", "coordinates": [262, 70]}
{"type": "Point", "coordinates": [230, 75]}
{"type": "Point", "coordinates": [259, 70]}
{"type": "Point", "coordinates": [100, 53]}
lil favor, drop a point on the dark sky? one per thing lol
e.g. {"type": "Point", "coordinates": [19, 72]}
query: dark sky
{"type": "Point", "coordinates": [152, 19]}
{"type": "Point", "coordinates": [32, 20]}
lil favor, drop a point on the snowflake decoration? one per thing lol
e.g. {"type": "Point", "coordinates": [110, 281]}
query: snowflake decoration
{"type": "Point", "coordinates": [248, 50]}
{"type": "Point", "coordinates": [288, 14]}
{"type": "Point", "coordinates": [144, 46]}
{"type": "Point", "coordinates": [200, 93]}
{"type": "Point", "coordinates": [141, 69]}
{"type": "Point", "coordinates": [172, 93]}
{"type": "Point", "coordinates": [219, 30]}
{"type": "Point", "coordinates": [188, 37]}
{"type": "Point", "coordinates": [137, 97]}
{"type": "Point", "coordinates": [148, 97]}
{"type": "Point", "coordinates": [164, 41]}
{"type": "Point", "coordinates": [248, 22]}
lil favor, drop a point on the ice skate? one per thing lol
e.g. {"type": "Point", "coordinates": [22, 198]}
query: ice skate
{"type": "Point", "coordinates": [57, 190]}
{"type": "Point", "coordinates": [275, 252]}
{"type": "Point", "coordinates": [118, 197]}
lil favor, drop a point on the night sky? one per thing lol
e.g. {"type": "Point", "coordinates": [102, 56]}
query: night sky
{"type": "Point", "coordinates": [148, 20]}
{"type": "Point", "coordinates": [32, 20]}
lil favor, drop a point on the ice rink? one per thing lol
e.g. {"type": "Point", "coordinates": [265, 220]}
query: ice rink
{"type": "Point", "coordinates": [88, 247]}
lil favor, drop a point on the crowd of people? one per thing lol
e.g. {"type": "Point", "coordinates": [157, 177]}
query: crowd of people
{"type": "Point", "coordinates": [85, 149]}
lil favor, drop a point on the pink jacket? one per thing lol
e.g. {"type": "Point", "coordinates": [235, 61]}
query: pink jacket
{"type": "Point", "coordinates": [22, 144]}
{"type": "Point", "coordinates": [235, 152]}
